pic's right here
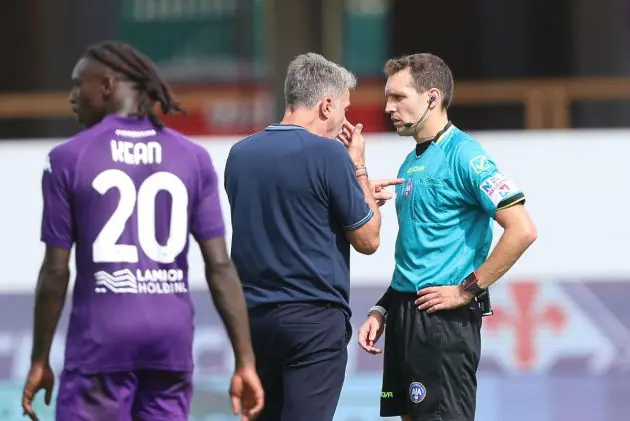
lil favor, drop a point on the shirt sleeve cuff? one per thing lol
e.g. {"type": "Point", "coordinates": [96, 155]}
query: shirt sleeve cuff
{"type": "Point", "coordinates": [511, 201]}
{"type": "Point", "coordinates": [210, 234]}
{"type": "Point", "coordinates": [56, 242]}
{"type": "Point", "coordinates": [361, 222]}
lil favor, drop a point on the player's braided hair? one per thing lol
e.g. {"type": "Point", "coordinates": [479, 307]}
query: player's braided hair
{"type": "Point", "coordinates": [132, 64]}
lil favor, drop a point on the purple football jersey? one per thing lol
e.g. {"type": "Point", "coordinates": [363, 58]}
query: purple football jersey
{"type": "Point", "coordinates": [129, 196]}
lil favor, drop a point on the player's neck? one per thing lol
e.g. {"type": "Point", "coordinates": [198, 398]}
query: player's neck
{"type": "Point", "coordinates": [126, 106]}
{"type": "Point", "coordinates": [431, 128]}
{"type": "Point", "coordinates": [304, 118]}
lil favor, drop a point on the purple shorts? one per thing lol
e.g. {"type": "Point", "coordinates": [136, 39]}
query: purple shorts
{"type": "Point", "coordinates": [143, 395]}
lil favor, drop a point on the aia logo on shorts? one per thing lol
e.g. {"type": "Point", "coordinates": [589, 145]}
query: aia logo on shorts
{"type": "Point", "coordinates": [408, 188]}
{"type": "Point", "coordinates": [417, 392]}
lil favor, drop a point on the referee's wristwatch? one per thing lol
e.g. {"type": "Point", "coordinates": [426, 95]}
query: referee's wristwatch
{"type": "Point", "coordinates": [470, 284]}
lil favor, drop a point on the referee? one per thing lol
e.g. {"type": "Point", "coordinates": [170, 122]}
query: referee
{"type": "Point", "coordinates": [298, 200]}
{"type": "Point", "coordinates": [451, 193]}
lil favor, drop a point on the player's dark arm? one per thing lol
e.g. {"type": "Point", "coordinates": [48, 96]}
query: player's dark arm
{"type": "Point", "coordinates": [519, 233]}
{"type": "Point", "coordinates": [50, 296]}
{"type": "Point", "coordinates": [228, 297]}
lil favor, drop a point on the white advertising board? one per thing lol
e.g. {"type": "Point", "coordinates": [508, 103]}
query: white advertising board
{"type": "Point", "coordinates": [575, 182]}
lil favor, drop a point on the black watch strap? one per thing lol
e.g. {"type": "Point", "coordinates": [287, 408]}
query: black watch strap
{"type": "Point", "coordinates": [469, 283]}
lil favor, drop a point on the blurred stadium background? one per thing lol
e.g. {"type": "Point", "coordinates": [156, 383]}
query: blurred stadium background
{"type": "Point", "coordinates": [545, 85]}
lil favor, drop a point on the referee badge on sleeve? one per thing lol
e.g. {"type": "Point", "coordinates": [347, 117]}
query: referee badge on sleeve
{"type": "Point", "coordinates": [417, 392]}
{"type": "Point", "coordinates": [498, 187]}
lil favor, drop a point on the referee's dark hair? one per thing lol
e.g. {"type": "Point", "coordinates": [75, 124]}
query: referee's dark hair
{"type": "Point", "coordinates": [428, 71]}
{"type": "Point", "coordinates": [133, 65]}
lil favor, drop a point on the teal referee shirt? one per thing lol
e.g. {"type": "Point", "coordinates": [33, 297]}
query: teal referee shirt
{"type": "Point", "coordinates": [445, 208]}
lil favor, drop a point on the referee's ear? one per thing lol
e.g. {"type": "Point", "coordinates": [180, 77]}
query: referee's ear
{"type": "Point", "coordinates": [435, 98]}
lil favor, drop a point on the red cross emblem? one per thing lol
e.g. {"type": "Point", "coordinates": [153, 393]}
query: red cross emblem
{"type": "Point", "coordinates": [526, 318]}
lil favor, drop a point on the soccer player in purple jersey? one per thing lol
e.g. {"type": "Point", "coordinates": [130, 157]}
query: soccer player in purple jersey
{"type": "Point", "coordinates": [129, 192]}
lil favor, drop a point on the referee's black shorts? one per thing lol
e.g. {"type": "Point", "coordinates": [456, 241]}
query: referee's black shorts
{"type": "Point", "coordinates": [430, 361]}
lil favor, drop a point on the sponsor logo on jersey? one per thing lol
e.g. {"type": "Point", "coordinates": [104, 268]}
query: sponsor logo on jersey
{"type": "Point", "coordinates": [155, 281]}
{"type": "Point", "coordinates": [480, 164]}
{"type": "Point", "coordinates": [497, 187]}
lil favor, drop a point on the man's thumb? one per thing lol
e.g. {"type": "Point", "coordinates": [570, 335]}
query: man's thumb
{"type": "Point", "coordinates": [358, 128]}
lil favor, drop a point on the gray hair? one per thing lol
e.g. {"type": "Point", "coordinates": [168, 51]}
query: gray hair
{"type": "Point", "coordinates": [310, 77]}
